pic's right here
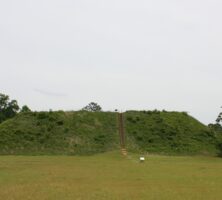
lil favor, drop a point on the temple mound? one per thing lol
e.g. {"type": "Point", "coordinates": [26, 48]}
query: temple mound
{"type": "Point", "coordinates": [82, 133]}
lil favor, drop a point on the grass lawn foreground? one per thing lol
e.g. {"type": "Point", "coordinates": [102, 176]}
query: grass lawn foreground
{"type": "Point", "coordinates": [110, 176]}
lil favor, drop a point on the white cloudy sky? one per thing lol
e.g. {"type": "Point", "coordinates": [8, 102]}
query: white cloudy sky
{"type": "Point", "coordinates": [125, 54]}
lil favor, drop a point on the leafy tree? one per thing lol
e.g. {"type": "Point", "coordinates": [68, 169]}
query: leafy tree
{"type": "Point", "coordinates": [92, 107]}
{"type": "Point", "coordinates": [219, 118]}
{"type": "Point", "coordinates": [25, 108]}
{"type": "Point", "coordinates": [215, 127]}
{"type": "Point", "coordinates": [8, 109]}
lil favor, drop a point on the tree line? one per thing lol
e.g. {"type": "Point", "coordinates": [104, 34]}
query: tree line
{"type": "Point", "coordinates": [9, 108]}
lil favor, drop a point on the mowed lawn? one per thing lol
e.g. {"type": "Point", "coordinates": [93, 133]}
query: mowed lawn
{"type": "Point", "coordinates": [110, 176]}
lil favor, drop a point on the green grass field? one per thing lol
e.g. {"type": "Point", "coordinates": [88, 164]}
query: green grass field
{"type": "Point", "coordinates": [110, 176]}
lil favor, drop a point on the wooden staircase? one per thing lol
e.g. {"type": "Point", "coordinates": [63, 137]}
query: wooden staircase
{"type": "Point", "coordinates": [122, 134]}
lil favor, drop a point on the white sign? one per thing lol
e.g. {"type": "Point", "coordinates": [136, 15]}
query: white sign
{"type": "Point", "coordinates": [142, 158]}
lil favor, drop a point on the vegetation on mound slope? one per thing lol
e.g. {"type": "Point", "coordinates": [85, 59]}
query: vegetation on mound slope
{"type": "Point", "coordinates": [59, 133]}
{"type": "Point", "coordinates": [168, 132]}
{"type": "Point", "coordinates": [93, 132]}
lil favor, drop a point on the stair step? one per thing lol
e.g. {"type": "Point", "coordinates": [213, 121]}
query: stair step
{"type": "Point", "coordinates": [124, 152]}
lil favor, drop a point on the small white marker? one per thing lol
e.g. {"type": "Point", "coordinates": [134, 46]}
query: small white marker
{"type": "Point", "coordinates": [142, 159]}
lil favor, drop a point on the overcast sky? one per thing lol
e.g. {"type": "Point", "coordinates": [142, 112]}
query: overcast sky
{"type": "Point", "coordinates": [124, 54]}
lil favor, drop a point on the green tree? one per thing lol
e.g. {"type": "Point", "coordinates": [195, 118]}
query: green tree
{"type": "Point", "coordinates": [92, 107]}
{"type": "Point", "coordinates": [25, 108]}
{"type": "Point", "coordinates": [219, 118]}
{"type": "Point", "coordinates": [8, 109]}
{"type": "Point", "coordinates": [217, 127]}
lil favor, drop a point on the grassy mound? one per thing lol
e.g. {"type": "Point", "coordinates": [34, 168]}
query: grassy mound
{"type": "Point", "coordinates": [168, 132]}
{"type": "Point", "coordinates": [81, 133]}
{"type": "Point", "coordinates": [59, 133]}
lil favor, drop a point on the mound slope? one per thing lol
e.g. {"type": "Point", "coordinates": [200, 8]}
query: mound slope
{"type": "Point", "coordinates": [81, 133]}
{"type": "Point", "coordinates": [168, 132]}
{"type": "Point", "coordinates": [59, 133]}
